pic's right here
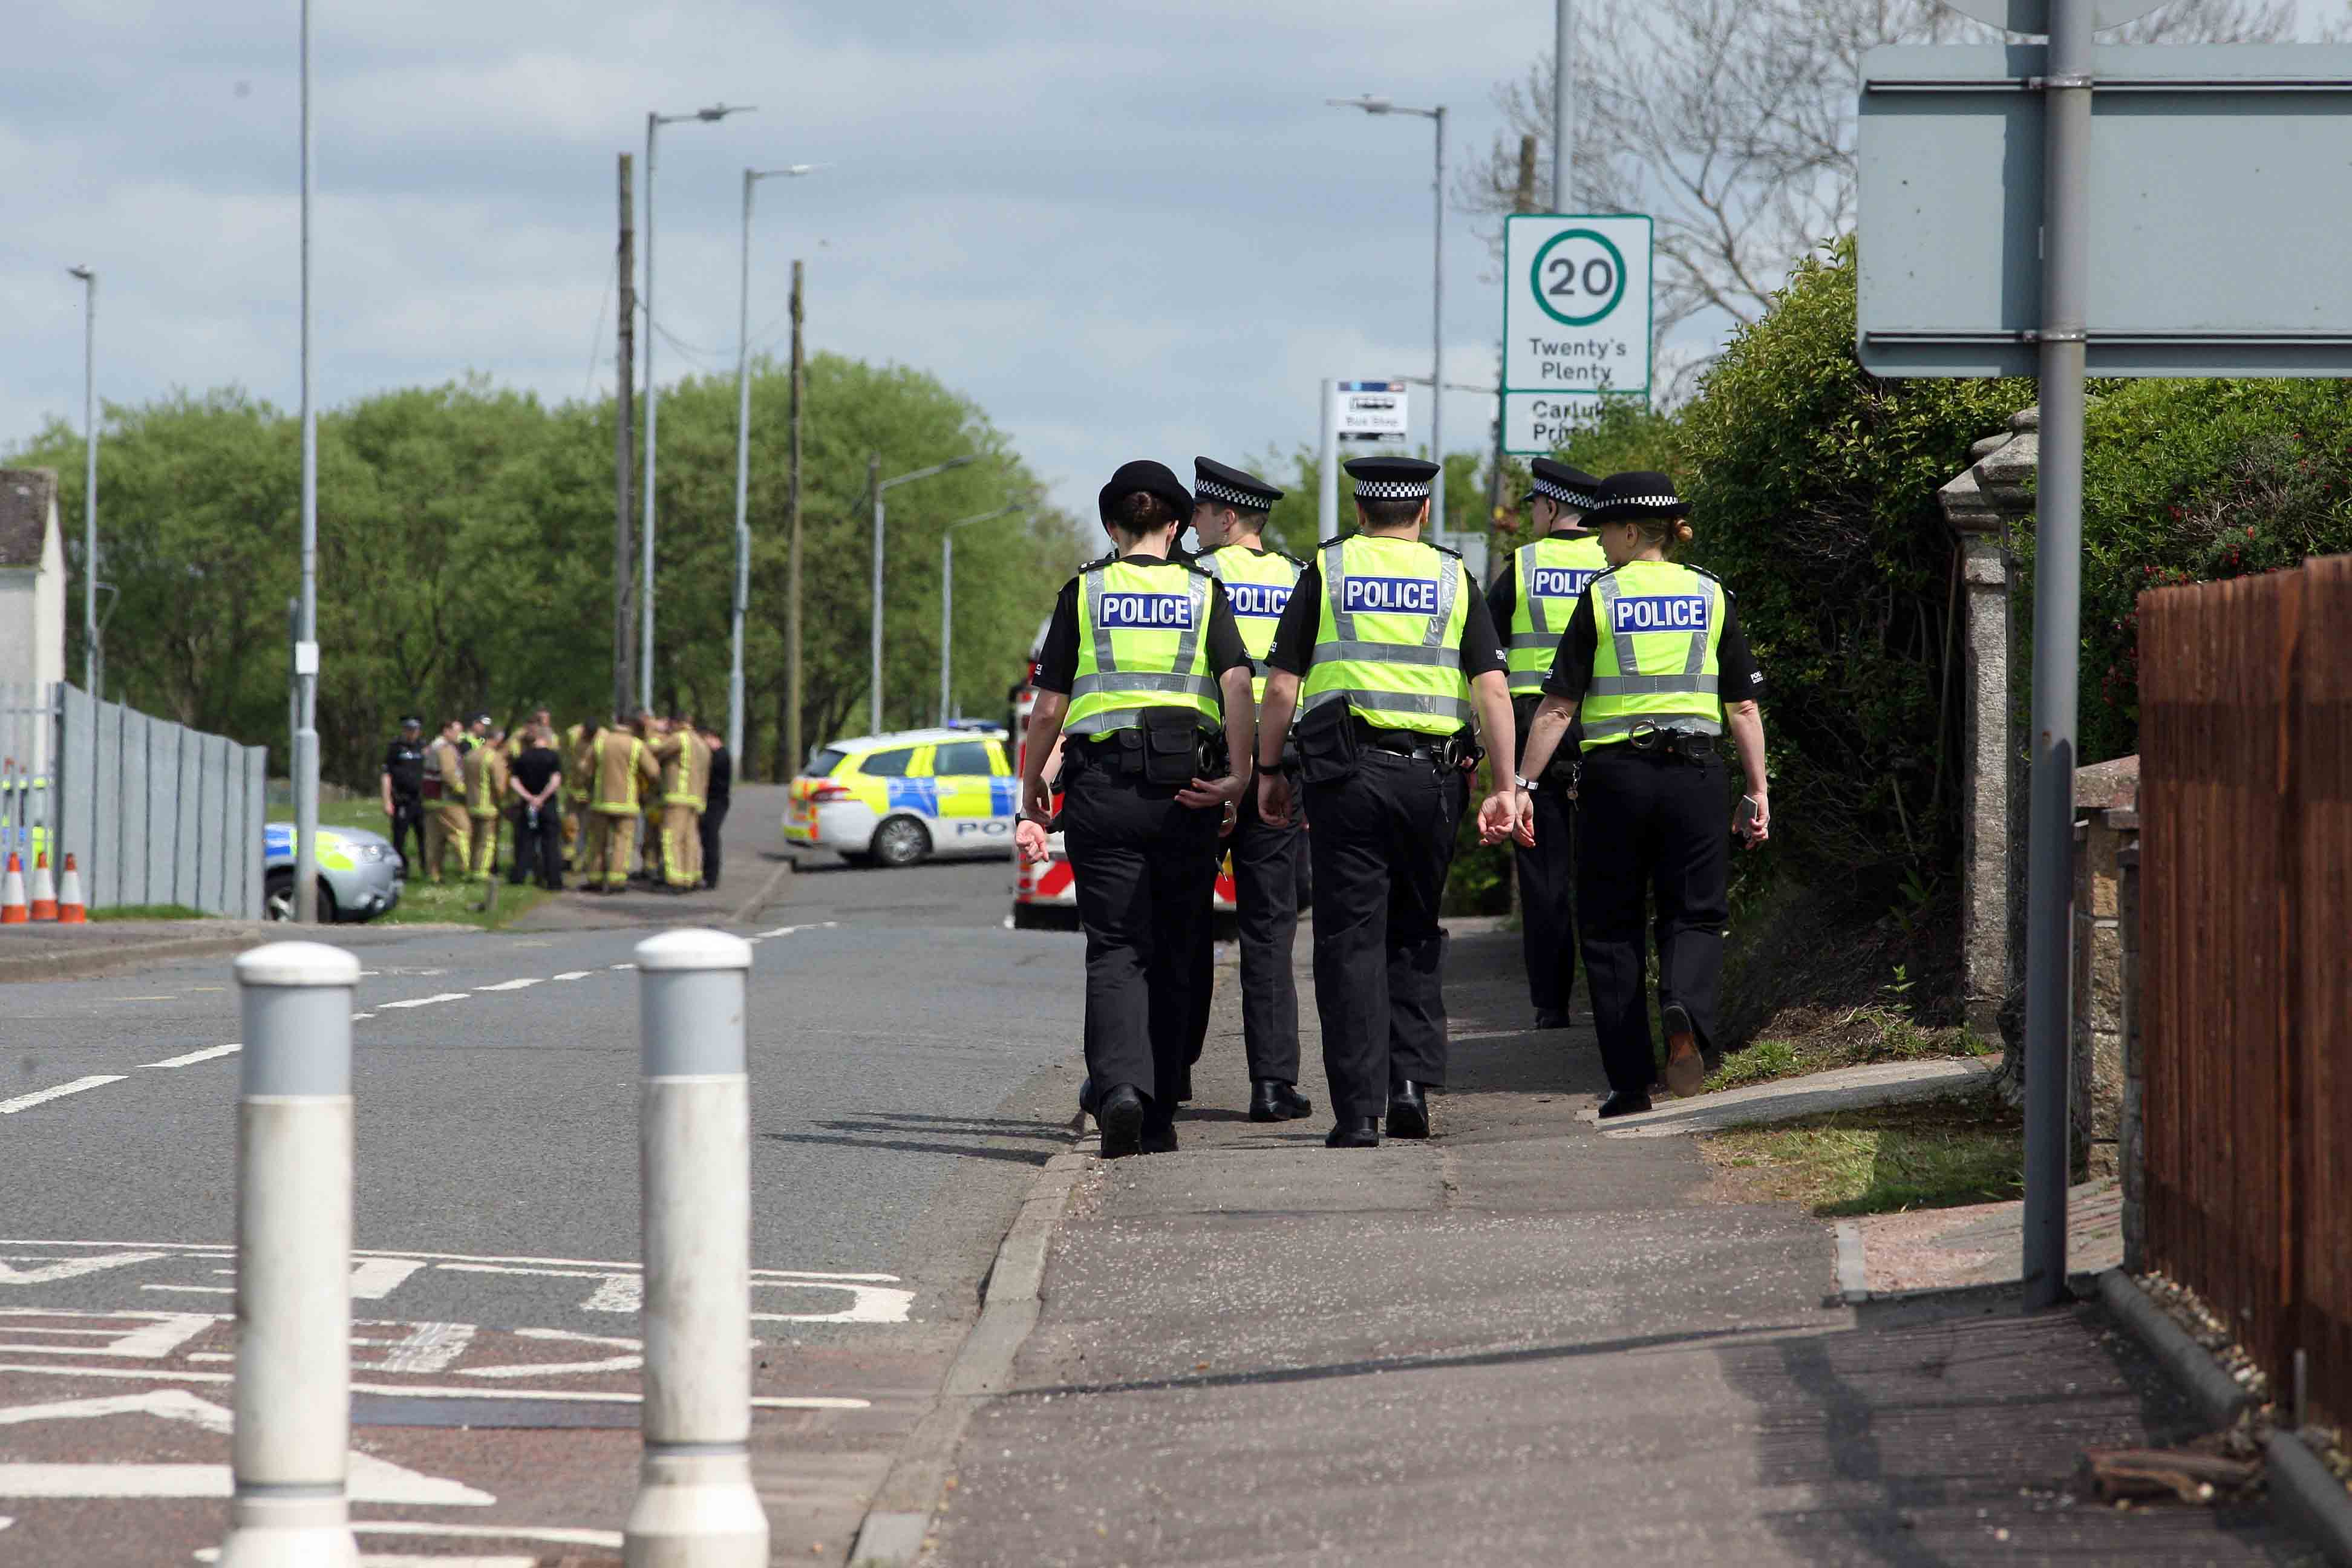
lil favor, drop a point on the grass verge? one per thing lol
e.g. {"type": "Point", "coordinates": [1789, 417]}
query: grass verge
{"type": "Point", "coordinates": [437, 903]}
{"type": "Point", "coordinates": [148, 912]}
{"type": "Point", "coordinates": [1937, 1153]}
{"type": "Point", "coordinates": [1851, 1037]}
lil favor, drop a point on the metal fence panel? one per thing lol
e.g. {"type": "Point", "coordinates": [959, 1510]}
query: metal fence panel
{"type": "Point", "coordinates": [163, 819]}
{"type": "Point", "coordinates": [103, 874]}
{"type": "Point", "coordinates": [184, 829]}
{"type": "Point", "coordinates": [212, 821]}
{"type": "Point", "coordinates": [76, 781]}
{"type": "Point", "coordinates": [257, 807]}
{"type": "Point", "coordinates": [133, 887]}
{"type": "Point", "coordinates": [2246, 850]}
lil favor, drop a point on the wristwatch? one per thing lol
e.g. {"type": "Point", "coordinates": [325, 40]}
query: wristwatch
{"type": "Point", "coordinates": [1526, 784]}
{"type": "Point", "coordinates": [1266, 767]}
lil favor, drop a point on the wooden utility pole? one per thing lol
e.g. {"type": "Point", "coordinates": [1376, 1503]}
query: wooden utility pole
{"type": "Point", "coordinates": [793, 750]}
{"type": "Point", "coordinates": [624, 604]}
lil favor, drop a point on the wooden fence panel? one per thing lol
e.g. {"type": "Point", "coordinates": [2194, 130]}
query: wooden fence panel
{"type": "Point", "coordinates": [2322, 1189]}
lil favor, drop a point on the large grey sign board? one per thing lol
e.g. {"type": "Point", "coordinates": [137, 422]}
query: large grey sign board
{"type": "Point", "coordinates": [2220, 237]}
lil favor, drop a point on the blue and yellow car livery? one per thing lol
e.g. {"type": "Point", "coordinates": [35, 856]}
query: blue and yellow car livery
{"type": "Point", "coordinates": [900, 798]}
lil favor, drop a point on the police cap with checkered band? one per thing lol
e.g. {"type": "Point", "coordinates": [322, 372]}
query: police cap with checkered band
{"type": "Point", "coordinates": [1629, 498]}
{"type": "Point", "coordinates": [1557, 481]}
{"type": "Point", "coordinates": [1214, 481]}
{"type": "Point", "coordinates": [1391, 479]}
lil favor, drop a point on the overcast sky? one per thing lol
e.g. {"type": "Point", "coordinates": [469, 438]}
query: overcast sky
{"type": "Point", "coordinates": [1123, 229]}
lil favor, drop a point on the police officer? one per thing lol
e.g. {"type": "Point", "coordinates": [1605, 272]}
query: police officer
{"type": "Point", "coordinates": [1228, 515]}
{"type": "Point", "coordinates": [403, 793]}
{"type": "Point", "coordinates": [1388, 653]}
{"type": "Point", "coordinates": [1652, 695]}
{"type": "Point", "coordinates": [1141, 667]}
{"type": "Point", "coordinates": [1531, 599]}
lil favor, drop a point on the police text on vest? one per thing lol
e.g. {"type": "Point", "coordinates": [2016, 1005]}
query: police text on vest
{"type": "Point", "coordinates": [1265, 600]}
{"type": "Point", "coordinates": [1664, 613]}
{"type": "Point", "coordinates": [1558, 582]}
{"type": "Point", "coordinates": [1148, 612]}
{"type": "Point", "coordinates": [1396, 596]}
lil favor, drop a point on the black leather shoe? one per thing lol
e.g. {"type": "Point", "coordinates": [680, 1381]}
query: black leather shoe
{"type": "Point", "coordinates": [1121, 1119]}
{"type": "Point", "coordinates": [1087, 1098]}
{"type": "Point", "coordinates": [1551, 1018]}
{"type": "Point", "coordinates": [1623, 1103]}
{"type": "Point", "coordinates": [1270, 1099]}
{"type": "Point", "coordinates": [1158, 1136]}
{"type": "Point", "coordinates": [1355, 1132]}
{"type": "Point", "coordinates": [1408, 1111]}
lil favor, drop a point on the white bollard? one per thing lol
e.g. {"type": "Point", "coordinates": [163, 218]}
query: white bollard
{"type": "Point", "coordinates": [292, 1444]}
{"type": "Point", "coordinates": [695, 1507]}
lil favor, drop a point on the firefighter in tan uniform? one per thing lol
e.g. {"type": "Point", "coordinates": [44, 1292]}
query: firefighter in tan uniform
{"type": "Point", "coordinates": [486, 802]}
{"type": "Point", "coordinates": [686, 777]}
{"type": "Point", "coordinates": [446, 824]}
{"type": "Point", "coordinates": [577, 741]}
{"type": "Point", "coordinates": [621, 772]}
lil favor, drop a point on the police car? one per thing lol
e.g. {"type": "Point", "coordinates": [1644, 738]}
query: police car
{"type": "Point", "coordinates": [359, 873]}
{"type": "Point", "coordinates": [895, 799]}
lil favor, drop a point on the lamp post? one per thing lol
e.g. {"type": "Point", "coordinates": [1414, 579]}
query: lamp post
{"type": "Point", "coordinates": [879, 485]}
{"type": "Point", "coordinates": [947, 602]}
{"type": "Point", "coordinates": [305, 769]}
{"type": "Point", "coordinates": [743, 458]}
{"type": "Point", "coordinates": [654, 123]}
{"type": "Point", "coordinates": [93, 661]}
{"type": "Point", "coordinates": [1372, 105]}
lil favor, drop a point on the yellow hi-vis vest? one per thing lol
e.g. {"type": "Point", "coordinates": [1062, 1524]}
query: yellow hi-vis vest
{"type": "Point", "coordinates": [1552, 574]}
{"type": "Point", "coordinates": [1391, 642]}
{"type": "Point", "coordinates": [1142, 643]}
{"type": "Point", "coordinates": [1258, 586]}
{"type": "Point", "coordinates": [1657, 627]}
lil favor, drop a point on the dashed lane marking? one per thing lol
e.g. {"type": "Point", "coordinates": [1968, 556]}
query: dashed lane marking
{"type": "Point", "coordinates": [433, 1391]}
{"type": "Point", "coordinates": [575, 974]}
{"type": "Point", "coordinates": [207, 1054]}
{"type": "Point", "coordinates": [43, 1096]}
{"type": "Point", "coordinates": [511, 985]}
{"type": "Point", "coordinates": [426, 1001]}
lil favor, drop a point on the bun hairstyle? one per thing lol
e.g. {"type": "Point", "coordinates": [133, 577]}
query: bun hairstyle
{"type": "Point", "coordinates": [1139, 512]}
{"type": "Point", "coordinates": [1668, 533]}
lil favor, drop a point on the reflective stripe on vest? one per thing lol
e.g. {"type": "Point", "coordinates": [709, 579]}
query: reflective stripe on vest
{"type": "Point", "coordinates": [1258, 586]}
{"type": "Point", "coordinates": [1390, 643]}
{"type": "Point", "coordinates": [1658, 628]}
{"type": "Point", "coordinates": [596, 756]}
{"type": "Point", "coordinates": [1141, 645]}
{"type": "Point", "coordinates": [1550, 576]}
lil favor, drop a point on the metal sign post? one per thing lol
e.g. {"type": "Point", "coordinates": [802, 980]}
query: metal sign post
{"type": "Point", "coordinates": [1358, 412]}
{"type": "Point", "coordinates": [2080, 209]}
{"type": "Point", "coordinates": [1576, 321]}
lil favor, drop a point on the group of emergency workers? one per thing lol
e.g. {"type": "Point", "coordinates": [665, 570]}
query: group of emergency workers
{"type": "Point", "coordinates": [1203, 700]}
{"type": "Point", "coordinates": [645, 794]}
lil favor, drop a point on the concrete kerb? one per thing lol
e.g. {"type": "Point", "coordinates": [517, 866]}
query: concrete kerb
{"type": "Point", "coordinates": [898, 1522]}
{"type": "Point", "coordinates": [765, 896]}
{"type": "Point", "coordinates": [81, 964]}
{"type": "Point", "coordinates": [1784, 1099]}
{"type": "Point", "coordinates": [2307, 1494]}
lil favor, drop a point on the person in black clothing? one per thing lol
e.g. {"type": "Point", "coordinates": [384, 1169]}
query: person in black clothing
{"type": "Point", "coordinates": [403, 790]}
{"type": "Point", "coordinates": [1144, 661]}
{"type": "Point", "coordinates": [536, 776]}
{"type": "Point", "coordinates": [715, 796]}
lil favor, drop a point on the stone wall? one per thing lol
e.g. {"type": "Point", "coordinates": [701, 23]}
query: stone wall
{"type": "Point", "coordinates": [2106, 824]}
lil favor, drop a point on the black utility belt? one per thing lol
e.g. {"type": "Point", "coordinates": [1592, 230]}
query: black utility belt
{"type": "Point", "coordinates": [1172, 749]}
{"type": "Point", "coordinates": [1666, 745]}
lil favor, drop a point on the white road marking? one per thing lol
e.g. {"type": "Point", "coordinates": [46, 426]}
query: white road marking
{"type": "Point", "coordinates": [633, 1358]}
{"type": "Point", "coordinates": [371, 1480]}
{"type": "Point", "coordinates": [43, 1096]}
{"type": "Point", "coordinates": [194, 1289]}
{"type": "Point", "coordinates": [575, 974]}
{"type": "Point", "coordinates": [620, 966]}
{"type": "Point", "coordinates": [50, 1272]}
{"type": "Point", "coordinates": [401, 1560]}
{"type": "Point", "coordinates": [374, 1278]}
{"type": "Point", "coordinates": [163, 1334]}
{"type": "Point", "coordinates": [444, 1391]}
{"type": "Point", "coordinates": [361, 1017]}
{"type": "Point", "coordinates": [555, 1534]}
{"type": "Point", "coordinates": [792, 931]}
{"type": "Point", "coordinates": [207, 1054]}
{"type": "Point", "coordinates": [426, 1348]}
{"type": "Point", "coordinates": [511, 986]}
{"type": "Point", "coordinates": [425, 1000]}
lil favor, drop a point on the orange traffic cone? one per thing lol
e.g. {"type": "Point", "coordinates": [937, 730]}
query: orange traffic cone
{"type": "Point", "coordinates": [69, 906]}
{"type": "Point", "coordinates": [45, 897]}
{"type": "Point", "coordinates": [12, 894]}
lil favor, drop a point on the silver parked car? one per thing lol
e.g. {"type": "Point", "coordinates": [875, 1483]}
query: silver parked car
{"type": "Point", "coordinates": [359, 873]}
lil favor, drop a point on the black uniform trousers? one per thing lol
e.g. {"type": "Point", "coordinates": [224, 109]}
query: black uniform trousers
{"type": "Point", "coordinates": [408, 823]}
{"type": "Point", "coordinates": [538, 847]}
{"type": "Point", "coordinates": [713, 818]}
{"type": "Point", "coordinates": [1266, 862]}
{"type": "Point", "coordinates": [1659, 825]}
{"type": "Point", "coordinates": [1547, 900]}
{"type": "Point", "coordinates": [1382, 840]}
{"type": "Point", "coordinates": [1144, 866]}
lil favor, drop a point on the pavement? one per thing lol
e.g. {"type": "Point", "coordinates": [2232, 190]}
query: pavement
{"type": "Point", "coordinates": [1522, 1342]}
{"type": "Point", "coordinates": [1983, 1244]}
{"type": "Point", "coordinates": [911, 1067]}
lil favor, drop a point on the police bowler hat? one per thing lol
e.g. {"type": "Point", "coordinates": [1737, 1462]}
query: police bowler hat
{"type": "Point", "coordinates": [1153, 479]}
{"type": "Point", "coordinates": [1630, 498]}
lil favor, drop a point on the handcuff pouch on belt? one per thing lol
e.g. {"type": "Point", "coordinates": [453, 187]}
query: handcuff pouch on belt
{"type": "Point", "coordinates": [1171, 744]}
{"type": "Point", "coordinates": [1327, 742]}
{"type": "Point", "coordinates": [1650, 741]}
{"type": "Point", "coordinates": [1461, 751]}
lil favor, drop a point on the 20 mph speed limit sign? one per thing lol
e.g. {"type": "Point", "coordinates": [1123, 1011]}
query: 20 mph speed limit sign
{"type": "Point", "coordinates": [1576, 321]}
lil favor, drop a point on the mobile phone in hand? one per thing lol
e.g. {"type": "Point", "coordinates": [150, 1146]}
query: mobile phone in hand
{"type": "Point", "coordinates": [1746, 817]}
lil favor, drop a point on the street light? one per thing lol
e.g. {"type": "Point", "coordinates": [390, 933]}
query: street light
{"type": "Point", "coordinates": [305, 769]}
{"type": "Point", "coordinates": [743, 455]}
{"type": "Point", "coordinates": [654, 123]}
{"type": "Point", "coordinates": [947, 600]}
{"type": "Point", "coordinates": [1372, 105]}
{"type": "Point", "coordinates": [878, 484]}
{"type": "Point", "coordinates": [92, 661]}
